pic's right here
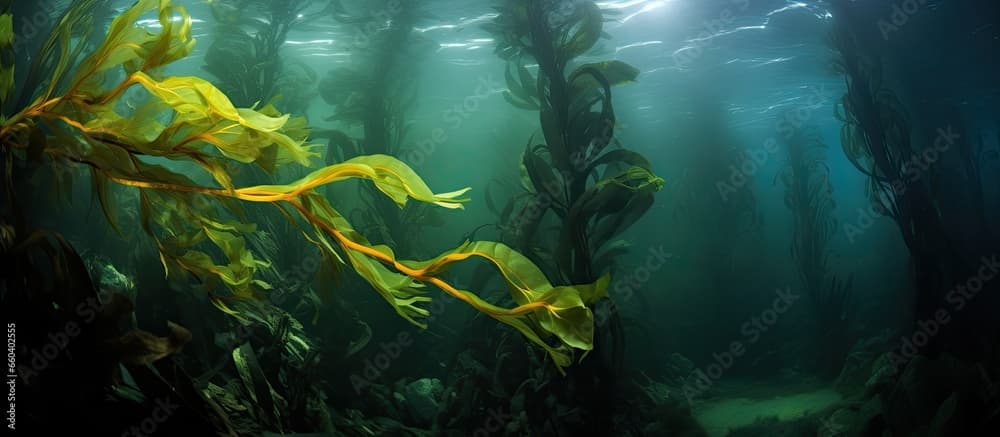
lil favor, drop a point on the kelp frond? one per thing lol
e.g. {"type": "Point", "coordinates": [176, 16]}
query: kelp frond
{"type": "Point", "coordinates": [116, 114]}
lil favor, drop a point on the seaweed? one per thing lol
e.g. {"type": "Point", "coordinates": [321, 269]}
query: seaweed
{"type": "Point", "coordinates": [809, 197]}
{"type": "Point", "coordinates": [594, 186]}
{"type": "Point", "coordinates": [245, 56]}
{"type": "Point", "coordinates": [377, 93]}
{"type": "Point", "coordinates": [876, 138]}
{"type": "Point", "coordinates": [187, 119]}
{"type": "Point", "coordinates": [580, 175]}
{"type": "Point", "coordinates": [102, 376]}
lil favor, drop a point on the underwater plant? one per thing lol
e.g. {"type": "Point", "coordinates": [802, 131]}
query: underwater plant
{"type": "Point", "coordinates": [378, 89]}
{"type": "Point", "coordinates": [377, 93]}
{"type": "Point", "coordinates": [580, 172]}
{"type": "Point", "coordinates": [876, 137]}
{"type": "Point", "coordinates": [714, 205]}
{"type": "Point", "coordinates": [706, 195]}
{"type": "Point", "coordinates": [245, 56]}
{"type": "Point", "coordinates": [34, 73]}
{"type": "Point", "coordinates": [579, 175]}
{"type": "Point", "coordinates": [809, 196]}
{"type": "Point", "coordinates": [80, 115]}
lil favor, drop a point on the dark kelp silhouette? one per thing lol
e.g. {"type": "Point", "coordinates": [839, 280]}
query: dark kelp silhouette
{"type": "Point", "coordinates": [876, 137]}
{"type": "Point", "coordinates": [924, 172]}
{"type": "Point", "coordinates": [579, 175]}
{"type": "Point", "coordinates": [809, 197]}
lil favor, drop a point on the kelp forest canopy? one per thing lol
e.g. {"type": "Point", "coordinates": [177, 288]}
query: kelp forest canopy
{"type": "Point", "coordinates": [500, 217]}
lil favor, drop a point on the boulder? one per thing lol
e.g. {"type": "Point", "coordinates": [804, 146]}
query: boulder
{"type": "Point", "coordinates": [422, 399]}
{"type": "Point", "coordinates": [859, 363]}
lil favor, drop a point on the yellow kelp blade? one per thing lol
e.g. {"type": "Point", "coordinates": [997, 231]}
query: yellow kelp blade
{"type": "Point", "coordinates": [188, 226]}
{"type": "Point", "coordinates": [394, 178]}
{"type": "Point", "coordinates": [563, 311]}
{"type": "Point", "coordinates": [134, 47]}
{"type": "Point", "coordinates": [402, 292]}
{"type": "Point", "coordinates": [239, 133]}
{"type": "Point", "coordinates": [543, 310]}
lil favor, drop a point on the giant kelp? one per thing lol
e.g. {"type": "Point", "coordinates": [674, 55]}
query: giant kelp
{"type": "Point", "coordinates": [580, 173]}
{"type": "Point", "coordinates": [877, 139]}
{"type": "Point", "coordinates": [924, 172]}
{"type": "Point", "coordinates": [81, 116]}
{"type": "Point", "coordinates": [809, 197]}
{"type": "Point", "coordinates": [34, 73]}
{"type": "Point", "coordinates": [377, 93]}
{"type": "Point", "coordinates": [714, 207]}
{"type": "Point", "coordinates": [245, 57]}
{"type": "Point", "coordinates": [579, 176]}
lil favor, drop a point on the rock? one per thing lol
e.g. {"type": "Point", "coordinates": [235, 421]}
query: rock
{"type": "Point", "coordinates": [944, 418]}
{"type": "Point", "coordinates": [870, 420]}
{"type": "Point", "coordinates": [676, 376]}
{"type": "Point", "coordinates": [679, 368]}
{"type": "Point", "coordinates": [654, 428]}
{"type": "Point", "coordinates": [838, 424]}
{"type": "Point", "coordinates": [115, 280]}
{"type": "Point", "coordinates": [674, 418]}
{"type": "Point", "coordinates": [858, 365]}
{"type": "Point", "coordinates": [422, 398]}
{"type": "Point", "coordinates": [883, 376]}
{"type": "Point", "coordinates": [922, 389]}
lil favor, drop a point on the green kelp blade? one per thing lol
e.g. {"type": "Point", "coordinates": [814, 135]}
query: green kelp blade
{"type": "Point", "coordinates": [6, 71]}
